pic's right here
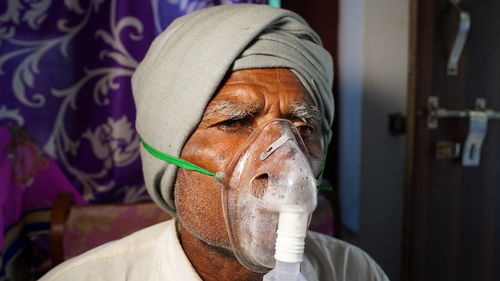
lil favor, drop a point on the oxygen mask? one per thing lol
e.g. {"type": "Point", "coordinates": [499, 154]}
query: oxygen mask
{"type": "Point", "coordinates": [269, 182]}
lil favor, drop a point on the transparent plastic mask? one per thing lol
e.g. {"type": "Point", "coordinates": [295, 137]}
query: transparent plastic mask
{"type": "Point", "coordinates": [271, 172]}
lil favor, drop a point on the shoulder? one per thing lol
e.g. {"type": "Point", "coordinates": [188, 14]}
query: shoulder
{"type": "Point", "coordinates": [333, 259]}
{"type": "Point", "coordinates": [125, 259]}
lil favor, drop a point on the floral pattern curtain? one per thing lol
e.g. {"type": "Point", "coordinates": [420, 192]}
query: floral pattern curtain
{"type": "Point", "coordinates": [66, 108]}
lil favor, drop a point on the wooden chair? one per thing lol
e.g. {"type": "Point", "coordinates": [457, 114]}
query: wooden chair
{"type": "Point", "coordinates": [77, 229]}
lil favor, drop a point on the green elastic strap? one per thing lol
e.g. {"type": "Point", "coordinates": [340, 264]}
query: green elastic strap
{"type": "Point", "coordinates": [176, 161]}
{"type": "Point", "coordinates": [322, 169]}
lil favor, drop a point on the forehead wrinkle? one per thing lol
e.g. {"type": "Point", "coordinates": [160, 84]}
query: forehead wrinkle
{"type": "Point", "coordinates": [306, 112]}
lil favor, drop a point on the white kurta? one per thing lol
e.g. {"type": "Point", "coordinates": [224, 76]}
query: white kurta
{"type": "Point", "coordinates": [155, 254]}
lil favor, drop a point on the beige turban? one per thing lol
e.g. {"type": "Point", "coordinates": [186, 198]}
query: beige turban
{"type": "Point", "coordinates": [186, 63]}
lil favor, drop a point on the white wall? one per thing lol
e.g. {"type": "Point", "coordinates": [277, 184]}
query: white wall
{"type": "Point", "coordinates": [373, 57]}
{"type": "Point", "coordinates": [351, 32]}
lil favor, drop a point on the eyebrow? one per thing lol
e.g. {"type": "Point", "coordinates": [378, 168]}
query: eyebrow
{"type": "Point", "coordinates": [305, 112]}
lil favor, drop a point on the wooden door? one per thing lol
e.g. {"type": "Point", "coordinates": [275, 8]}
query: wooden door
{"type": "Point", "coordinates": [452, 212]}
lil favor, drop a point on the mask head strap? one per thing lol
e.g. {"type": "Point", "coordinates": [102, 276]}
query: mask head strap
{"type": "Point", "coordinates": [176, 161]}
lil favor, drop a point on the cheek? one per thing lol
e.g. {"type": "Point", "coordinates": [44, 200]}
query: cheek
{"type": "Point", "coordinates": [198, 196]}
{"type": "Point", "coordinates": [316, 163]}
{"type": "Point", "coordinates": [211, 149]}
{"type": "Point", "coordinates": [199, 207]}
{"type": "Point", "coordinates": [316, 153]}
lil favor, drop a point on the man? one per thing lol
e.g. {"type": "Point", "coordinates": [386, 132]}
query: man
{"type": "Point", "coordinates": [209, 85]}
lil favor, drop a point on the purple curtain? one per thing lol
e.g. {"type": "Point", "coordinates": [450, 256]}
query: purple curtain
{"type": "Point", "coordinates": [65, 69]}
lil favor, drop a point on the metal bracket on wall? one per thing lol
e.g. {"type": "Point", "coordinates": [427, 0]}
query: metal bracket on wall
{"type": "Point", "coordinates": [458, 46]}
{"type": "Point", "coordinates": [478, 125]}
{"type": "Point", "coordinates": [434, 113]}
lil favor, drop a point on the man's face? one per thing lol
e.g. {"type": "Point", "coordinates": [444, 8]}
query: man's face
{"type": "Point", "coordinates": [248, 99]}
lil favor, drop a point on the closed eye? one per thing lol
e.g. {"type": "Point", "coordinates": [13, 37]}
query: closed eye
{"type": "Point", "coordinates": [226, 115]}
{"type": "Point", "coordinates": [305, 130]}
{"type": "Point", "coordinates": [233, 124]}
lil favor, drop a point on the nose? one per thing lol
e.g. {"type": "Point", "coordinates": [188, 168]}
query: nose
{"type": "Point", "coordinates": [259, 184]}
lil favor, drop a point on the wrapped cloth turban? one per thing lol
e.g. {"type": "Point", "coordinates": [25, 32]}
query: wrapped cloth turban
{"type": "Point", "coordinates": [186, 63]}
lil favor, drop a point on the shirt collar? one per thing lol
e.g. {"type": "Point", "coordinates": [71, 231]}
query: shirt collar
{"type": "Point", "coordinates": [169, 261]}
